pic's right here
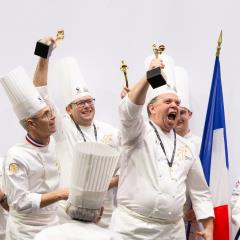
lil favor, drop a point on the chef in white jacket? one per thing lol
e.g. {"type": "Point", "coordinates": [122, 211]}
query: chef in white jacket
{"type": "Point", "coordinates": [183, 125]}
{"type": "Point", "coordinates": [78, 124]}
{"type": "Point", "coordinates": [156, 168]}
{"type": "Point", "coordinates": [183, 129]}
{"type": "Point", "coordinates": [3, 206]}
{"type": "Point", "coordinates": [30, 168]}
{"type": "Point", "coordinates": [92, 168]}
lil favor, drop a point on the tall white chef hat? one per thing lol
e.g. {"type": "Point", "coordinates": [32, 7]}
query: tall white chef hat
{"type": "Point", "coordinates": [22, 94]}
{"type": "Point", "coordinates": [92, 170]}
{"type": "Point", "coordinates": [182, 86]}
{"type": "Point", "coordinates": [72, 83]}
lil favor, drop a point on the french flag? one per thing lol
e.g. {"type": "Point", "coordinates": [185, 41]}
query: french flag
{"type": "Point", "coordinates": [214, 156]}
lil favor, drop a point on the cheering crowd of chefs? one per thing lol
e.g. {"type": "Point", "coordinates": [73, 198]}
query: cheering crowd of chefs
{"type": "Point", "coordinates": [74, 177]}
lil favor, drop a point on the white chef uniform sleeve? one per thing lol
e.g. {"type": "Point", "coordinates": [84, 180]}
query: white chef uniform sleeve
{"type": "Point", "coordinates": [16, 185]}
{"type": "Point", "coordinates": [132, 123]}
{"type": "Point", "coordinates": [199, 191]}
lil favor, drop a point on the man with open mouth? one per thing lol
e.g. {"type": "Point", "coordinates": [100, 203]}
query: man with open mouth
{"type": "Point", "coordinates": [161, 165]}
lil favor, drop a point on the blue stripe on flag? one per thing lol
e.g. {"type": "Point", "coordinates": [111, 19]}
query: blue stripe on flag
{"type": "Point", "coordinates": [215, 119]}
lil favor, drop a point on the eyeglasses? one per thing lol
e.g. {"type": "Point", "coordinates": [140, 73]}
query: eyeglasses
{"type": "Point", "coordinates": [48, 114]}
{"type": "Point", "coordinates": [82, 103]}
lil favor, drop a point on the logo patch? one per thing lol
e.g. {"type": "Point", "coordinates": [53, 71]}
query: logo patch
{"type": "Point", "coordinates": [13, 168]}
{"type": "Point", "coordinates": [107, 139]}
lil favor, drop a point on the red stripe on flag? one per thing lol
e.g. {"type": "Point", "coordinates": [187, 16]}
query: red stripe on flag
{"type": "Point", "coordinates": [221, 223]}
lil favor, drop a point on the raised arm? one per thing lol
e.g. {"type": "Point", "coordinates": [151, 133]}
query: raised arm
{"type": "Point", "coordinates": [138, 93]}
{"type": "Point", "coordinates": [41, 73]}
{"type": "Point", "coordinates": [130, 110]}
{"type": "Point", "coordinates": [40, 81]}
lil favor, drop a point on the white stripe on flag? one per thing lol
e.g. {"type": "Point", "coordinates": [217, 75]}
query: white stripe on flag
{"type": "Point", "coordinates": [219, 178]}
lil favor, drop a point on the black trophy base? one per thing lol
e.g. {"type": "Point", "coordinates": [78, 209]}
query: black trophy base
{"type": "Point", "coordinates": [155, 78]}
{"type": "Point", "coordinates": [43, 50]}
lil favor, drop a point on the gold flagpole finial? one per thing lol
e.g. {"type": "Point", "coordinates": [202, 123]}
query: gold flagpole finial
{"type": "Point", "coordinates": [124, 68]}
{"type": "Point", "coordinates": [219, 44]}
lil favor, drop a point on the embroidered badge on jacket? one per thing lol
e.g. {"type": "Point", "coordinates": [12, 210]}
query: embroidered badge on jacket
{"type": "Point", "coordinates": [107, 139]}
{"type": "Point", "coordinates": [183, 153]}
{"type": "Point", "coordinates": [13, 168]}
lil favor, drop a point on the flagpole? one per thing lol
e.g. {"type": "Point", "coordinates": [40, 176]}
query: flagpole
{"type": "Point", "coordinates": [217, 55]}
{"type": "Point", "coordinates": [214, 153]}
{"type": "Point", "coordinates": [219, 44]}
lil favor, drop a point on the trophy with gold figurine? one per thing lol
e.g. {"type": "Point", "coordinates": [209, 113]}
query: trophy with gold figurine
{"type": "Point", "coordinates": [44, 50]}
{"type": "Point", "coordinates": [158, 50]}
{"type": "Point", "coordinates": [156, 77]}
{"type": "Point", "coordinates": [124, 69]}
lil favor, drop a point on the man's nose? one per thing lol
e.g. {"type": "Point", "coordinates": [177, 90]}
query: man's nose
{"type": "Point", "coordinates": [53, 116]}
{"type": "Point", "coordinates": [173, 104]}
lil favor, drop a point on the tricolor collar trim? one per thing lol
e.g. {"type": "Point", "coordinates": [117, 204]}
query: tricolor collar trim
{"type": "Point", "coordinates": [34, 143]}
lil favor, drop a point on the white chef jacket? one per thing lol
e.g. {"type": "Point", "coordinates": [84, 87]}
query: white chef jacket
{"type": "Point", "coordinates": [3, 213]}
{"type": "Point", "coordinates": [76, 230]}
{"type": "Point", "coordinates": [151, 191]}
{"type": "Point", "coordinates": [29, 172]}
{"type": "Point", "coordinates": [195, 140]}
{"type": "Point", "coordinates": [67, 136]}
{"type": "Point", "coordinates": [235, 204]}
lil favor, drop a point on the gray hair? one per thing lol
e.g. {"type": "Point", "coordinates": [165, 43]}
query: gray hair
{"type": "Point", "coordinates": [150, 103]}
{"type": "Point", "coordinates": [23, 123]}
{"type": "Point", "coordinates": [82, 214]}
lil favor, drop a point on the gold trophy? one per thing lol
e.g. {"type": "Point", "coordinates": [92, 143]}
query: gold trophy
{"type": "Point", "coordinates": [44, 50]}
{"type": "Point", "coordinates": [124, 69]}
{"type": "Point", "coordinates": [154, 76]}
{"type": "Point", "coordinates": [158, 51]}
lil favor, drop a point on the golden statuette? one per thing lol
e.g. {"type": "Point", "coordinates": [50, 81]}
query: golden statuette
{"type": "Point", "coordinates": [219, 44]}
{"type": "Point", "coordinates": [44, 50]}
{"type": "Point", "coordinates": [124, 69]}
{"type": "Point", "coordinates": [60, 35]}
{"type": "Point", "coordinates": [155, 77]}
{"type": "Point", "coordinates": [158, 50]}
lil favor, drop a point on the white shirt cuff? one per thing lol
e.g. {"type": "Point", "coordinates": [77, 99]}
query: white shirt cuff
{"type": "Point", "coordinates": [204, 210]}
{"type": "Point", "coordinates": [36, 200]}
